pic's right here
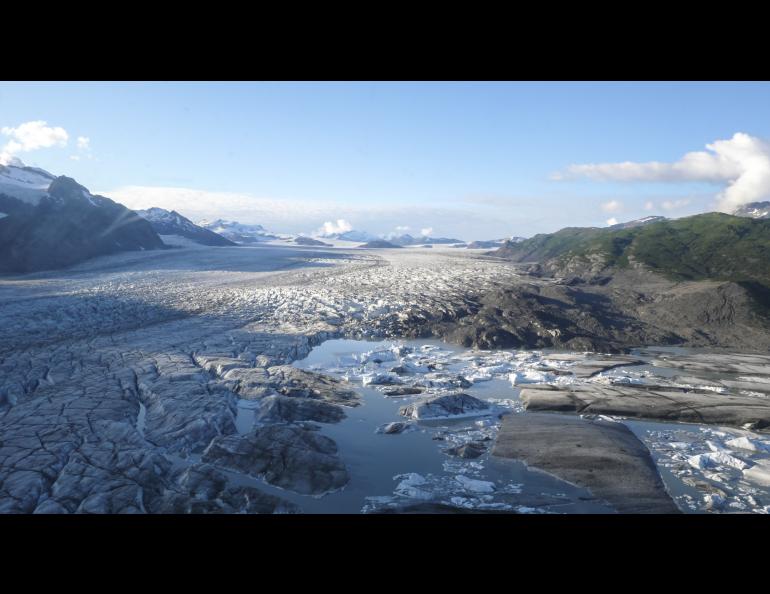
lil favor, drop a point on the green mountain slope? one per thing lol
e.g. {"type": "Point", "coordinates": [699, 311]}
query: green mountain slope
{"type": "Point", "coordinates": [711, 246]}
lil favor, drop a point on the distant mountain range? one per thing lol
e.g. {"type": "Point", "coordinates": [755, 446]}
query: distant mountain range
{"type": "Point", "coordinates": [302, 240]}
{"type": "Point", "coordinates": [754, 210]}
{"type": "Point", "coordinates": [352, 235]}
{"type": "Point", "coordinates": [167, 223]}
{"type": "Point", "coordinates": [406, 240]}
{"type": "Point", "coordinates": [379, 243]}
{"type": "Point", "coordinates": [49, 222]}
{"type": "Point", "coordinates": [238, 232]}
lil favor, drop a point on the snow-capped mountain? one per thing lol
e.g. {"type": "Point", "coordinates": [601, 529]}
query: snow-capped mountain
{"type": "Point", "coordinates": [237, 232]}
{"type": "Point", "coordinates": [352, 235]}
{"type": "Point", "coordinates": [484, 244]}
{"type": "Point", "coordinates": [379, 243]}
{"type": "Point", "coordinates": [406, 239]}
{"type": "Point", "coordinates": [638, 222]}
{"type": "Point", "coordinates": [754, 210]}
{"type": "Point", "coordinates": [50, 222]}
{"type": "Point", "coordinates": [303, 240]}
{"type": "Point", "coordinates": [167, 223]}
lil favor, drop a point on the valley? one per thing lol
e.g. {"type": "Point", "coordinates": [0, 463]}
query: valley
{"type": "Point", "coordinates": [162, 381]}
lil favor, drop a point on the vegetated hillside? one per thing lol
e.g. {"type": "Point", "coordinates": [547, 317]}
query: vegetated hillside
{"type": "Point", "coordinates": [710, 246]}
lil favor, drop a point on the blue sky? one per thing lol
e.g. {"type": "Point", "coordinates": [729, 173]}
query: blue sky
{"type": "Point", "coordinates": [470, 160]}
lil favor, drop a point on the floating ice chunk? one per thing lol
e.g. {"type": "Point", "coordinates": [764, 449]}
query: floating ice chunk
{"type": "Point", "coordinates": [714, 460]}
{"type": "Point", "coordinates": [759, 473]}
{"type": "Point", "coordinates": [529, 376]}
{"type": "Point", "coordinates": [475, 378]}
{"type": "Point", "coordinates": [375, 356]}
{"type": "Point", "coordinates": [474, 485]}
{"type": "Point", "coordinates": [626, 379]}
{"type": "Point", "coordinates": [440, 380]}
{"type": "Point", "coordinates": [744, 443]}
{"type": "Point", "coordinates": [501, 368]}
{"type": "Point", "coordinates": [347, 361]}
{"type": "Point", "coordinates": [714, 447]}
{"type": "Point", "coordinates": [713, 501]}
{"type": "Point", "coordinates": [380, 379]}
{"type": "Point", "coordinates": [408, 487]}
{"type": "Point", "coordinates": [412, 367]}
{"type": "Point", "coordinates": [461, 502]}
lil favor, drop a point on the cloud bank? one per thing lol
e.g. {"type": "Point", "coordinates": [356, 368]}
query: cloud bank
{"type": "Point", "coordinates": [612, 206]}
{"type": "Point", "coordinates": [293, 215]}
{"type": "Point", "coordinates": [31, 136]}
{"type": "Point", "coordinates": [330, 228]}
{"type": "Point", "coordinates": [741, 163]}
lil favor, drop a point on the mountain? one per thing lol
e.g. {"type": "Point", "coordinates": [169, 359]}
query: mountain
{"type": "Point", "coordinates": [494, 243]}
{"type": "Point", "coordinates": [166, 222]}
{"type": "Point", "coordinates": [406, 240]}
{"type": "Point", "coordinates": [50, 222]}
{"type": "Point", "coordinates": [754, 210]}
{"type": "Point", "coordinates": [379, 243]}
{"type": "Point", "coordinates": [237, 232]}
{"type": "Point", "coordinates": [711, 246]}
{"type": "Point", "coordinates": [352, 235]}
{"type": "Point", "coordinates": [698, 281]}
{"type": "Point", "coordinates": [302, 240]}
{"type": "Point", "coordinates": [638, 222]}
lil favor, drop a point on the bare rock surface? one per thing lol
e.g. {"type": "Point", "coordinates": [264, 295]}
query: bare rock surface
{"type": "Point", "coordinates": [589, 366]}
{"type": "Point", "coordinates": [287, 456]}
{"type": "Point", "coordinates": [278, 408]}
{"type": "Point", "coordinates": [732, 363]}
{"type": "Point", "coordinates": [671, 405]}
{"type": "Point", "coordinates": [290, 381]}
{"type": "Point", "coordinates": [205, 490]}
{"type": "Point", "coordinates": [604, 457]}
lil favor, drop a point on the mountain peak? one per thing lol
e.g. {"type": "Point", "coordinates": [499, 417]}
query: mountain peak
{"type": "Point", "coordinates": [754, 210]}
{"type": "Point", "coordinates": [638, 222]}
{"type": "Point", "coordinates": [171, 223]}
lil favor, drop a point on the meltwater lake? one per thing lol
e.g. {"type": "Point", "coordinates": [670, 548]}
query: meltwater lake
{"type": "Point", "coordinates": [421, 465]}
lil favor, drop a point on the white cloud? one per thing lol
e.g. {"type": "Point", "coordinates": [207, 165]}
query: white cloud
{"type": "Point", "coordinates": [649, 205]}
{"type": "Point", "coordinates": [402, 228]}
{"type": "Point", "coordinates": [741, 163]}
{"type": "Point", "coordinates": [84, 143]}
{"type": "Point", "coordinates": [31, 136]}
{"type": "Point", "coordinates": [674, 204]}
{"type": "Point", "coordinates": [330, 227]}
{"type": "Point", "coordinates": [612, 206]}
{"type": "Point", "coordinates": [426, 231]}
{"type": "Point", "coordinates": [612, 221]}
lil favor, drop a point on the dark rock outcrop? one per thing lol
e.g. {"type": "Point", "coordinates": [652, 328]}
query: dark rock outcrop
{"type": "Point", "coordinates": [602, 456]}
{"type": "Point", "coordinates": [287, 456]}
{"type": "Point", "coordinates": [445, 406]}
{"type": "Point", "coordinates": [67, 225]}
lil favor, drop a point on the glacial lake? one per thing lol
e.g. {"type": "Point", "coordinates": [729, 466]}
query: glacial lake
{"type": "Point", "coordinates": [390, 470]}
